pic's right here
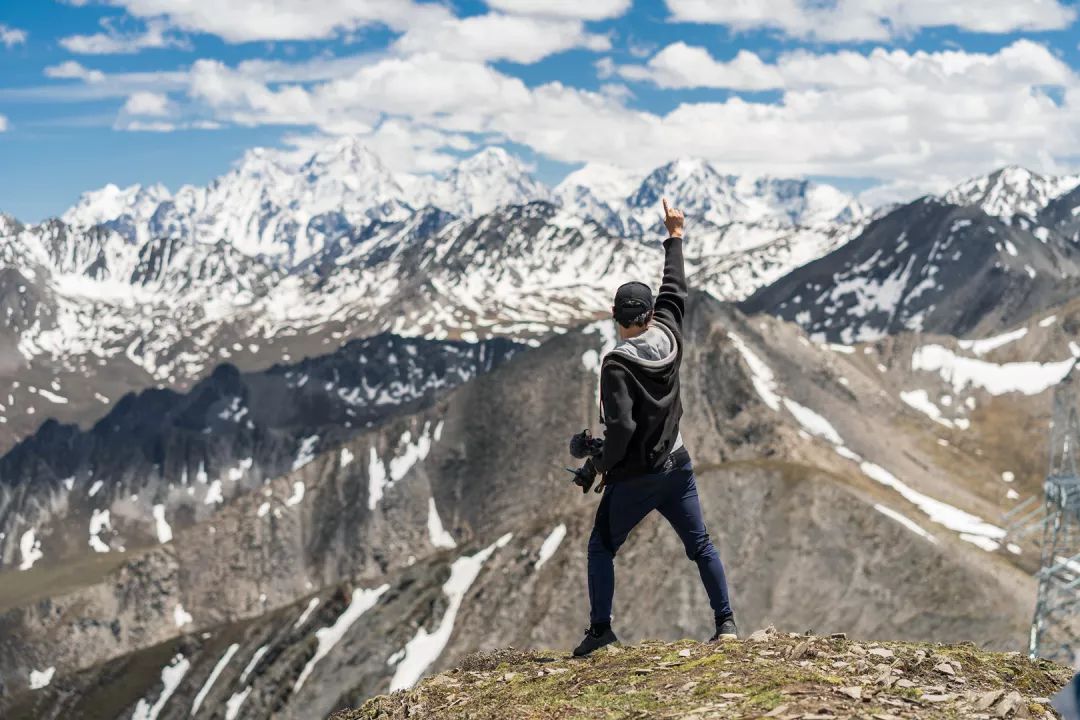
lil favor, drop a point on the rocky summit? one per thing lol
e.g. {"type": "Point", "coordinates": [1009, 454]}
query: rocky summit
{"type": "Point", "coordinates": [770, 675]}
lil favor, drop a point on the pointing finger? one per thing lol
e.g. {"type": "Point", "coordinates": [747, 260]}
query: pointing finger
{"type": "Point", "coordinates": [667, 208]}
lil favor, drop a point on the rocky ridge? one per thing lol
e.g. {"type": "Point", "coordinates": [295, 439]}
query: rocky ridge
{"type": "Point", "coordinates": [788, 676]}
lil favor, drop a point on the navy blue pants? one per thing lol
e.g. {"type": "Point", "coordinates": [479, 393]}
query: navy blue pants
{"type": "Point", "coordinates": [625, 504]}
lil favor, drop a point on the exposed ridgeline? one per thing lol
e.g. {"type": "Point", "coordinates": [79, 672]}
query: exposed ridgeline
{"type": "Point", "coordinates": [448, 528]}
{"type": "Point", "coordinates": [990, 255]}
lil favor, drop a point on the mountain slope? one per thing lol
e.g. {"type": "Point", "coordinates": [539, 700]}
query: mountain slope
{"type": "Point", "coordinates": [160, 461]}
{"type": "Point", "coordinates": [930, 267]}
{"type": "Point", "coordinates": [838, 529]}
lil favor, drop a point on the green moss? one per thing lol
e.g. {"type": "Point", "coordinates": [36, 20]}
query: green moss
{"type": "Point", "coordinates": [766, 700]}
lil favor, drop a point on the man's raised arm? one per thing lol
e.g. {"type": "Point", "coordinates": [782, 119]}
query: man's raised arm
{"type": "Point", "coordinates": [671, 300]}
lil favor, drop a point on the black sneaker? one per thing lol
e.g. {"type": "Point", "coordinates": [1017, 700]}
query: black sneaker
{"type": "Point", "coordinates": [594, 640]}
{"type": "Point", "coordinates": [725, 631]}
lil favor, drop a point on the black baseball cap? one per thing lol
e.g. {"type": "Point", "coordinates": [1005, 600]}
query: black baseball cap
{"type": "Point", "coordinates": [631, 300]}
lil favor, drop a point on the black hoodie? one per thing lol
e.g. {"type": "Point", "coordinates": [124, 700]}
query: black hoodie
{"type": "Point", "coordinates": [639, 386]}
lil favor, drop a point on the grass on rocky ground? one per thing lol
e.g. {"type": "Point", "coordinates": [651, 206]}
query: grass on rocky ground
{"type": "Point", "coordinates": [770, 675]}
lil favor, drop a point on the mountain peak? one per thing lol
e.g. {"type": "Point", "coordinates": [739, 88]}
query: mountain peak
{"type": "Point", "coordinates": [478, 184]}
{"type": "Point", "coordinates": [112, 204]}
{"type": "Point", "coordinates": [1011, 190]}
{"type": "Point", "coordinates": [489, 158]}
{"type": "Point", "coordinates": [347, 151]}
{"type": "Point", "coordinates": [703, 191]}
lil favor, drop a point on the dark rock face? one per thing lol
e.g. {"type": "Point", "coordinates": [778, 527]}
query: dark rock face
{"type": "Point", "coordinates": [189, 453]}
{"type": "Point", "coordinates": [928, 267]}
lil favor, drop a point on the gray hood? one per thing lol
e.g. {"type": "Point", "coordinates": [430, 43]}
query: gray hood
{"type": "Point", "coordinates": [654, 348]}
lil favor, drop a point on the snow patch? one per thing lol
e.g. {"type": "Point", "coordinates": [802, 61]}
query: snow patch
{"type": "Point", "coordinates": [812, 422]}
{"type": "Point", "coordinates": [41, 678]}
{"type": "Point", "coordinates": [99, 520]}
{"type": "Point", "coordinates": [969, 526]}
{"type": "Point", "coordinates": [440, 538]}
{"type": "Point", "coordinates": [171, 675]}
{"type": "Point", "coordinates": [312, 604]}
{"type": "Point", "coordinates": [30, 549]}
{"type": "Point", "coordinates": [298, 494]}
{"type": "Point", "coordinates": [233, 704]}
{"type": "Point", "coordinates": [180, 616]}
{"type": "Point", "coordinates": [407, 454]}
{"type": "Point", "coordinates": [426, 647]}
{"type": "Point", "coordinates": [550, 545]}
{"type": "Point", "coordinates": [328, 637]}
{"type": "Point", "coordinates": [164, 532]}
{"type": "Point", "coordinates": [1029, 378]}
{"type": "Point", "coordinates": [981, 347]}
{"type": "Point", "coordinates": [253, 662]}
{"type": "Point", "coordinates": [906, 522]}
{"type": "Point", "coordinates": [213, 677]}
{"type": "Point", "coordinates": [213, 494]}
{"type": "Point", "coordinates": [761, 375]}
{"type": "Point", "coordinates": [920, 400]}
{"type": "Point", "coordinates": [306, 453]}
{"type": "Point", "coordinates": [346, 457]}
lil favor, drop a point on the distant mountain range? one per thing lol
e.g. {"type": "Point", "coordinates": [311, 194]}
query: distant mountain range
{"type": "Point", "coordinates": [281, 258]}
{"type": "Point", "coordinates": [284, 257]}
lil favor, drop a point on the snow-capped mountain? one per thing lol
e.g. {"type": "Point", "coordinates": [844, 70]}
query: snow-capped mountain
{"type": "Point", "coordinates": [283, 256]}
{"type": "Point", "coordinates": [127, 211]}
{"type": "Point", "coordinates": [719, 199]}
{"type": "Point", "coordinates": [929, 266]}
{"type": "Point", "coordinates": [1011, 191]}
{"type": "Point", "coordinates": [275, 206]}
{"type": "Point", "coordinates": [477, 185]}
{"type": "Point", "coordinates": [599, 191]}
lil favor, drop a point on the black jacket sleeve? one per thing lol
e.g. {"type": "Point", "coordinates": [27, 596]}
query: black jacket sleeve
{"type": "Point", "coordinates": [618, 419]}
{"type": "Point", "coordinates": [671, 300]}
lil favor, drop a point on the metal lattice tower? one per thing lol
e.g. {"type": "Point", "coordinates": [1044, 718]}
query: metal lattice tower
{"type": "Point", "coordinates": [1055, 629]}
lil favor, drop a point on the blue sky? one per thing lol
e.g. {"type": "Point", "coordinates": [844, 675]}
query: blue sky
{"type": "Point", "coordinates": [891, 98]}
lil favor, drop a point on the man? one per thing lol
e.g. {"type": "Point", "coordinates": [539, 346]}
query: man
{"type": "Point", "coordinates": [643, 460]}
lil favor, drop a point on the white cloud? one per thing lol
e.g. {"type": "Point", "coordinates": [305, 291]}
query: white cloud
{"type": "Point", "coordinates": [147, 103]}
{"type": "Point", "coordinates": [915, 119]}
{"type": "Point", "coordinates": [3, 123]}
{"type": "Point", "coordinates": [854, 20]}
{"type": "Point", "coordinates": [495, 36]}
{"type": "Point", "coordinates": [71, 70]}
{"type": "Point", "coordinates": [149, 126]}
{"type": "Point", "coordinates": [418, 87]}
{"type": "Point", "coordinates": [577, 9]}
{"type": "Point", "coordinates": [10, 37]}
{"type": "Point", "coordinates": [238, 21]}
{"type": "Point", "coordinates": [683, 66]}
{"type": "Point", "coordinates": [113, 42]}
